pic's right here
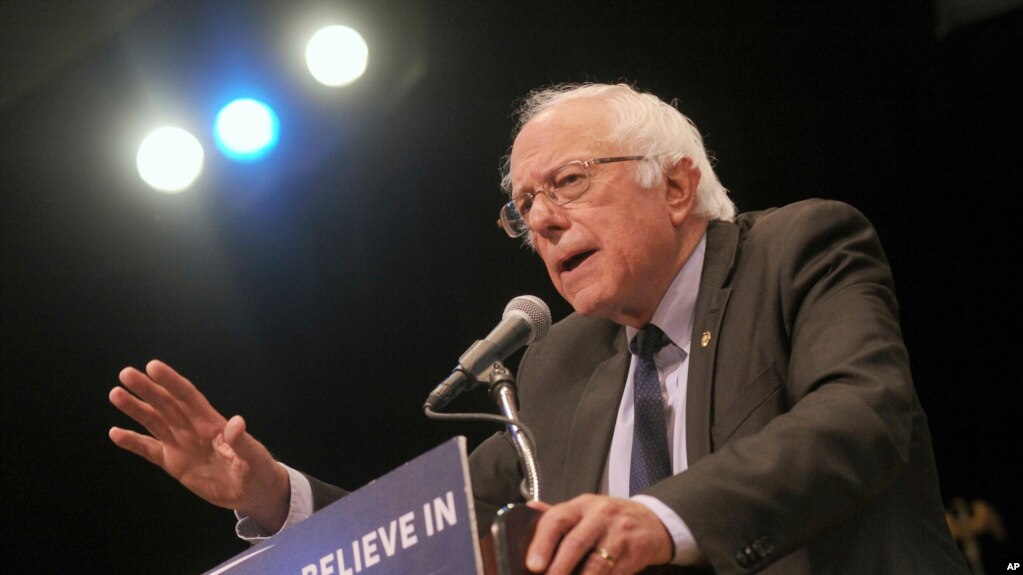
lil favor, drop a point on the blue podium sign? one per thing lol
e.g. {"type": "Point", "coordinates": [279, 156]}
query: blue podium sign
{"type": "Point", "coordinates": [418, 518]}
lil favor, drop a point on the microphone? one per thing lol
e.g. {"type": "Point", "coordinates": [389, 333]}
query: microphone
{"type": "Point", "coordinates": [526, 319]}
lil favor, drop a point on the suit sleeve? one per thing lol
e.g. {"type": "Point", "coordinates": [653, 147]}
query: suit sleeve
{"type": "Point", "coordinates": [324, 493]}
{"type": "Point", "coordinates": [494, 470]}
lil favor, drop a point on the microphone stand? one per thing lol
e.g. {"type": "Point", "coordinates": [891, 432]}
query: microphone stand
{"type": "Point", "coordinates": [502, 390]}
{"type": "Point", "coordinates": [504, 549]}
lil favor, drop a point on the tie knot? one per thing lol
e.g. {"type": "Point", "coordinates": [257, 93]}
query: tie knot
{"type": "Point", "coordinates": [648, 341]}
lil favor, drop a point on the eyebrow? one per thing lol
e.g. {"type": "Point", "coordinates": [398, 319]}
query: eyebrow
{"type": "Point", "coordinates": [546, 176]}
{"type": "Point", "coordinates": [518, 192]}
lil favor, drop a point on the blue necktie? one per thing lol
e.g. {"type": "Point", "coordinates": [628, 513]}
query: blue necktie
{"type": "Point", "coordinates": [651, 461]}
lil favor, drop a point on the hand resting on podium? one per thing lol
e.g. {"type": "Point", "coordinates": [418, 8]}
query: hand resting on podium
{"type": "Point", "coordinates": [629, 534]}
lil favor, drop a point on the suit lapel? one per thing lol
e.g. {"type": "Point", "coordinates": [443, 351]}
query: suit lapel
{"type": "Point", "coordinates": [589, 438]}
{"type": "Point", "coordinates": [722, 246]}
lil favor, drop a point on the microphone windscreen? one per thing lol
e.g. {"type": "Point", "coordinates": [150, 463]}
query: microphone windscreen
{"type": "Point", "coordinates": [535, 311]}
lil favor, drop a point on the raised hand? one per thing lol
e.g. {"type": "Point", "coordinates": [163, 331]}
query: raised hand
{"type": "Point", "coordinates": [213, 457]}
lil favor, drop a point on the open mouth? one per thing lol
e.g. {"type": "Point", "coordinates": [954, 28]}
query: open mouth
{"type": "Point", "coordinates": [574, 261]}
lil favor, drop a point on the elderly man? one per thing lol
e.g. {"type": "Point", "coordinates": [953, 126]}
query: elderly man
{"type": "Point", "coordinates": [732, 393]}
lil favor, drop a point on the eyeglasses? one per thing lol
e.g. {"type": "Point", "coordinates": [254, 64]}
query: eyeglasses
{"type": "Point", "coordinates": [564, 185]}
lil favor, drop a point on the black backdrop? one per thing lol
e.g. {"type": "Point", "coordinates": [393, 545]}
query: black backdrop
{"type": "Point", "coordinates": [323, 292]}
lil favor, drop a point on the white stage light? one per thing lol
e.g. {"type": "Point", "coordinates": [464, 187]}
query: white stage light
{"type": "Point", "coordinates": [169, 159]}
{"type": "Point", "coordinates": [336, 55]}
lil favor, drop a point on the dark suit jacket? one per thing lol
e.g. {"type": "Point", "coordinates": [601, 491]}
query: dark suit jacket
{"type": "Point", "coordinates": [808, 450]}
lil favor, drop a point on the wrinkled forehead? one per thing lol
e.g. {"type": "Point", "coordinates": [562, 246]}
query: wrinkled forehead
{"type": "Point", "coordinates": [575, 130]}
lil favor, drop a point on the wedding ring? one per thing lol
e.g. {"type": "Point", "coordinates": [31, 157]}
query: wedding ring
{"type": "Point", "coordinates": [607, 557]}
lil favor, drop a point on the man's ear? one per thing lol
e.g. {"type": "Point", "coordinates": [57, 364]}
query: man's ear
{"type": "Point", "coordinates": [681, 180]}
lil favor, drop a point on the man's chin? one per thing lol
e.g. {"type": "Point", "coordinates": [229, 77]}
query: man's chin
{"type": "Point", "coordinates": [605, 309]}
{"type": "Point", "coordinates": [586, 305]}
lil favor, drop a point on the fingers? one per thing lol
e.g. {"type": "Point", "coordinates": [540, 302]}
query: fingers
{"type": "Point", "coordinates": [561, 529]}
{"type": "Point", "coordinates": [538, 505]}
{"type": "Point", "coordinates": [174, 413]}
{"type": "Point", "coordinates": [146, 447]}
{"type": "Point", "coordinates": [602, 554]}
{"type": "Point", "coordinates": [603, 534]}
{"type": "Point", "coordinates": [172, 397]}
{"type": "Point", "coordinates": [156, 396]}
{"type": "Point", "coordinates": [140, 411]}
{"type": "Point", "coordinates": [579, 543]}
{"type": "Point", "coordinates": [181, 389]}
{"type": "Point", "coordinates": [215, 458]}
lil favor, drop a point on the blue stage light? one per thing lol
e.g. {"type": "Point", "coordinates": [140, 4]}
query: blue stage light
{"type": "Point", "coordinates": [246, 129]}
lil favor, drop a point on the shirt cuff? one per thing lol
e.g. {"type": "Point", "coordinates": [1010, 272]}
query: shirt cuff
{"type": "Point", "coordinates": [300, 508]}
{"type": "Point", "coordinates": [687, 552]}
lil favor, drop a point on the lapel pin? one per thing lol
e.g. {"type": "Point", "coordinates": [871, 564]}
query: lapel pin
{"type": "Point", "coordinates": [705, 339]}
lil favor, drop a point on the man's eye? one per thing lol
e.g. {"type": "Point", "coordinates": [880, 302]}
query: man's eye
{"type": "Point", "coordinates": [524, 205]}
{"type": "Point", "coordinates": [569, 180]}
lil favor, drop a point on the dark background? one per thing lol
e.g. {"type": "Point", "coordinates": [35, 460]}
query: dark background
{"type": "Point", "coordinates": [323, 292]}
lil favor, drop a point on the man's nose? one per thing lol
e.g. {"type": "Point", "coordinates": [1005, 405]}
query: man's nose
{"type": "Point", "coordinates": [545, 215]}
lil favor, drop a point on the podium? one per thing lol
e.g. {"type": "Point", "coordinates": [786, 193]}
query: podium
{"type": "Point", "coordinates": [418, 518]}
{"type": "Point", "coordinates": [504, 548]}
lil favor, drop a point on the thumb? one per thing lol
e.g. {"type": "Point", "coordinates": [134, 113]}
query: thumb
{"type": "Point", "coordinates": [234, 429]}
{"type": "Point", "coordinates": [237, 440]}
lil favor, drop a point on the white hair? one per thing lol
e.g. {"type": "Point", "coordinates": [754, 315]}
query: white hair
{"type": "Point", "coordinates": [642, 124]}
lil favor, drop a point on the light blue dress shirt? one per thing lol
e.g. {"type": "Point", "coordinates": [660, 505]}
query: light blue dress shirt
{"type": "Point", "coordinates": [674, 315]}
